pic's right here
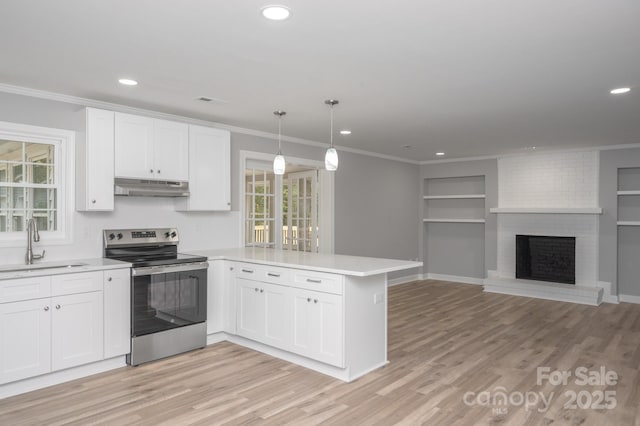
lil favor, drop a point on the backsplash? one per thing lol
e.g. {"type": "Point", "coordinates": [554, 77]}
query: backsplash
{"type": "Point", "coordinates": [197, 230]}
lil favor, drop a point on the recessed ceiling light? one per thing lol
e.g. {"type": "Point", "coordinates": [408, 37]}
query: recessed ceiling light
{"type": "Point", "coordinates": [345, 132]}
{"type": "Point", "coordinates": [406, 146]}
{"type": "Point", "coordinates": [127, 82]}
{"type": "Point", "coordinates": [439, 154]}
{"type": "Point", "coordinates": [276, 12]}
{"type": "Point", "coordinates": [620, 90]}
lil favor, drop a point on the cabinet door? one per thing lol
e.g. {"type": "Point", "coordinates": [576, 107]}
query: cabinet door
{"type": "Point", "coordinates": [25, 339]}
{"type": "Point", "coordinates": [318, 326]}
{"type": "Point", "coordinates": [250, 304]}
{"type": "Point", "coordinates": [209, 170]}
{"type": "Point", "coordinates": [278, 313]}
{"type": "Point", "coordinates": [77, 333]}
{"type": "Point", "coordinates": [134, 147]}
{"type": "Point", "coordinates": [171, 150]}
{"type": "Point", "coordinates": [99, 160]}
{"type": "Point", "coordinates": [117, 312]}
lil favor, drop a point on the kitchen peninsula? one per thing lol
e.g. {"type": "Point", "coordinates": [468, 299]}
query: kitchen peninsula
{"type": "Point", "coordinates": [322, 311]}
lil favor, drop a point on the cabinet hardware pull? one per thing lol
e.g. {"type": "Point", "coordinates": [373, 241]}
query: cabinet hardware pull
{"type": "Point", "coordinates": [273, 275]}
{"type": "Point", "coordinates": [261, 291]}
{"type": "Point", "coordinates": [46, 308]}
{"type": "Point", "coordinates": [248, 271]}
{"type": "Point", "coordinates": [158, 170]}
{"type": "Point", "coordinates": [315, 300]}
{"type": "Point", "coordinates": [309, 280]}
{"type": "Point", "coordinates": [256, 289]}
{"type": "Point", "coordinates": [151, 170]}
{"type": "Point", "coordinates": [109, 279]}
{"type": "Point", "coordinates": [93, 201]}
{"type": "Point", "coordinates": [57, 306]}
{"type": "Point", "coordinates": [308, 299]}
{"type": "Point", "coordinates": [231, 268]}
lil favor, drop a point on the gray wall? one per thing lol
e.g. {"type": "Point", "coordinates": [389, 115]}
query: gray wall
{"type": "Point", "coordinates": [460, 249]}
{"type": "Point", "coordinates": [370, 194]}
{"type": "Point", "coordinates": [619, 246]}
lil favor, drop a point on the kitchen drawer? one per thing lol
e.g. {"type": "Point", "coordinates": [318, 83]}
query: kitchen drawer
{"type": "Point", "coordinates": [318, 281]}
{"type": "Point", "coordinates": [76, 283]}
{"type": "Point", "coordinates": [249, 271]}
{"type": "Point", "coordinates": [276, 275]}
{"type": "Point", "coordinates": [24, 289]}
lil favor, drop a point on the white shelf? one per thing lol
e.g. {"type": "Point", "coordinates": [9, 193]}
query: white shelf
{"type": "Point", "coordinates": [628, 223]}
{"type": "Point", "coordinates": [628, 192]}
{"type": "Point", "coordinates": [442, 220]}
{"type": "Point", "coordinates": [547, 210]}
{"type": "Point", "coordinates": [453, 197]}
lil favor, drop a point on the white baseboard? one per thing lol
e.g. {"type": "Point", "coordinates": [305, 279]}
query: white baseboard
{"type": "Point", "coordinates": [628, 298]}
{"type": "Point", "coordinates": [404, 280]}
{"type": "Point", "coordinates": [455, 279]}
{"type": "Point", "coordinates": [608, 296]}
{"type": "Point", "coordinates": [57, 377]}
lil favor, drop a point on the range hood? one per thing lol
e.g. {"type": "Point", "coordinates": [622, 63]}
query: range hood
{"type": "Point", "coordinates": [150, 188]}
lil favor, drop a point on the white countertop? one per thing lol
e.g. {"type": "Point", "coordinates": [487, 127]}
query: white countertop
{"type": "Point", "coordinates": [8, 272]}
{"type": "Point", "coordinates": [331, 263]}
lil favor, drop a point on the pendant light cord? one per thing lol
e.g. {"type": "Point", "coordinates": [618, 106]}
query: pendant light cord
{"type": "Point", "coordinates": [279, 134]}
{"type": "Point", "coordinates": [331, 125]}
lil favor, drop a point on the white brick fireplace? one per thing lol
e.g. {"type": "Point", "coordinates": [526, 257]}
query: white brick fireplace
{"type": "Point", "coordinates": [555, 195]}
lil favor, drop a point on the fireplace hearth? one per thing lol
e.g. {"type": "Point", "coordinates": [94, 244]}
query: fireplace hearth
{"type": "Point", "coordinates": [546, 258]}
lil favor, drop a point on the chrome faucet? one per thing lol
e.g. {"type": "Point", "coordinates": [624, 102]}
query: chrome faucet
{"type": "Point", "coordinates": [32, 234]}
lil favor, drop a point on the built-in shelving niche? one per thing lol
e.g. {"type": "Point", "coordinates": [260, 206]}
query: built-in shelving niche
{"type": "Point", "coordinates": [628, 231]}
{"type": "Point", "coordinates": [454, 215]}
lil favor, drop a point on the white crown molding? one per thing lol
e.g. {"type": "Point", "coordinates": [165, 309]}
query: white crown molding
{"type": "Point", "coordinates": [540, 152]}
{"type": "Point", "coordinates": [43, 94]}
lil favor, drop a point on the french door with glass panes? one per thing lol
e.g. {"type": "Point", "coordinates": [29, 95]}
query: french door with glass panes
{"type": "Point", "coordinates": [281, 211]}
{"type": "Point", "coordinates": [300, 230]}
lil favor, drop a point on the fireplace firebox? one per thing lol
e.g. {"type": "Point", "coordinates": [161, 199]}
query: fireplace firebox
{"type": "Point", "coordinates": [546, 258]}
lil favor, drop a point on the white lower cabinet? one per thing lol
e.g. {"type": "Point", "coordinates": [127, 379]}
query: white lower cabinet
{"type": "Point", "coordinates": [25, 339]}
{"type": "Point", "coordinates": [76, 330]}
{"type": "Point", "coordinates": [52, 323]}
{"type": "Point", "coordinates": [318, 326]}
{"type": "Point", "coordinates": [305, 322]}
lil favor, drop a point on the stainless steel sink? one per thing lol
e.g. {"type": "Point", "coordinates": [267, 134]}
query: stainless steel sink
{"type": "Point", "coordinates": [32, 268]}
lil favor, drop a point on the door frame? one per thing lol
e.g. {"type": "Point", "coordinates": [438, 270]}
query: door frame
{"type": "Point", "coordinates": [326, 185]}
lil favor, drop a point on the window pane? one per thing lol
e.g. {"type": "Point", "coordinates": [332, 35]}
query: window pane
{"type": "Point", "coordinates": [16, 195]}
{"type": "Point", "coordinates": [4, 198]}
{"type": "Point", "coordinates": [3, 222]}
{"type": "Point", "coordinates": [45, 219]}
{"type": "Point", "coordinates": [39, 152]}
{"type": "Point", "coordinates": [16, 171]}
{"type": "Point", "coordinates": [4, 172]}
{"type": "Point", "coordinates": [42, 198]}
{"type": "Point", "coordinates": [10, 150]}
{"type": "Point", "coordinates": [40, 173]}
{"type": "Point", "coordinates": [17, 222]}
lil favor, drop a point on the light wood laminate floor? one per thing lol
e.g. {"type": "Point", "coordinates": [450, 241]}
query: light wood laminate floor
{"type": "Point", "coordinates": [445, 340]}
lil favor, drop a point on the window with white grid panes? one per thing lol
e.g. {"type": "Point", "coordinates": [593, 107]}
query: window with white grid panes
{"type": "Point", "coordinates": [29, 185]}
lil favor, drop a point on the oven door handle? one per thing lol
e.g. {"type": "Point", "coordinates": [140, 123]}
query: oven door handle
{"type": "Point", "coordinates": [166, 269]}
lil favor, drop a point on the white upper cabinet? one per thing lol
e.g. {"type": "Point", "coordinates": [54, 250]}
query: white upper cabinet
{"type": "Point", "coordinates": [209, 170]}
{"type": "Point", "coordinates": [148, 148]}
{"type": "Point", "coordinates": [171, 150]}
{"type": "Point", "coordinates": [95, 162]}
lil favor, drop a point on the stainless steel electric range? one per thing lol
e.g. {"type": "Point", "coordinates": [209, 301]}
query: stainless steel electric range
{"type": "Point", "coordinates": [168, 292]}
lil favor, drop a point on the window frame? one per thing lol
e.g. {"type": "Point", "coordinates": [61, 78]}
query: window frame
{"type": "Point", "coordinates": [64, 144]}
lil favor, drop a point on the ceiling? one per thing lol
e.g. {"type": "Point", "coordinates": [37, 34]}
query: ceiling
{"type": "Point", "coordinates": [467, 77]}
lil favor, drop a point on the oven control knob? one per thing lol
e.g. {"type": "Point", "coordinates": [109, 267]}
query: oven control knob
{"type": "Point", "coordinates": [173, 234]}
{"type": "Point", "coordinates": [167, 234]}
{"type": "Point", "coordinates": [112, 236]}
{"type": "Point", "coordinates": [119, 235]}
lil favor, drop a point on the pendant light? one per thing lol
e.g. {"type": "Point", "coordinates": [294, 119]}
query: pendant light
{"type": "Point", "coordinates": [331, 157]}
{"type": "Point", "coordinates": [279, 164]}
